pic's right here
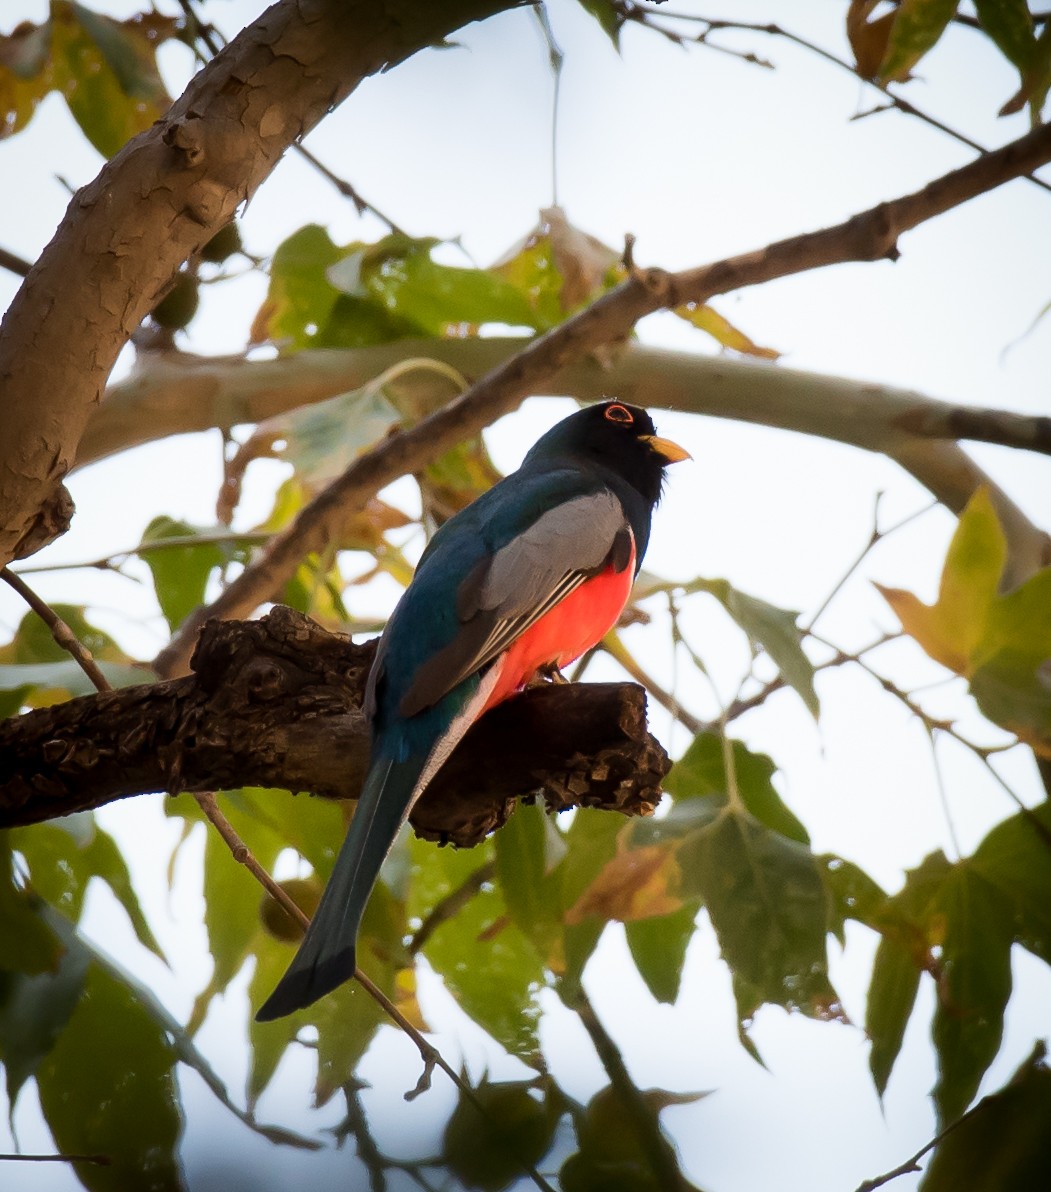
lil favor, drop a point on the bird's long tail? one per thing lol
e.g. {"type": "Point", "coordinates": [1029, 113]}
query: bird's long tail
{"type": "Point", "coordinates": [326, 957]}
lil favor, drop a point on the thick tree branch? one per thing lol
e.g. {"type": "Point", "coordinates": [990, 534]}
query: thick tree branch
{"type": "Point", "coordinates": [868, 236]}
{"type": "Point", "coordinates": [277, 703]}
{"type": "Point", "coordinates": [173, 393]}
{"type": "Point", "coordinates": [165, 194]}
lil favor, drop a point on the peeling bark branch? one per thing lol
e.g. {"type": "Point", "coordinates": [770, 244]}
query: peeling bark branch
{"type": "Point", "coordinates": [164, 195]}
{"type": "Point", "coordinates": [277, 703]}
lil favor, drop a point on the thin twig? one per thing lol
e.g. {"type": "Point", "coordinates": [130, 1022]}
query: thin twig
{"type": "Point", "coordinates": [60, 631]}
{"type": "Point", "coordinates": [646, 19]}
{"type": "Point", "coordinates": [346, 190]}
{"type": "Point", "coordinates": [555, 58]}
{"type": "Point", "coordinates": [876, 536]}
{"type": "Point", "coordinates": [100, 1160]}
{"type": "Point", "coordinates": [107, 562]}
{"type": "Point", "coordinates": [451, 904]}
{"type": "Point", "coordinates": [912, 1164]}
{"type": "Point", "coordinates": [616, 649]}
{"type": "Point", "coordinates": [14, 263]}
{"type": "Point", "coordinates": [432, 1058]}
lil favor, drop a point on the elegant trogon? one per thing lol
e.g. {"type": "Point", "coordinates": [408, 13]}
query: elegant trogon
{"type": "Point", "coordinates": [532, 574]}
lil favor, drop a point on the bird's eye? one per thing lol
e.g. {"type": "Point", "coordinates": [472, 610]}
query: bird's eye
{"type": "Point", "coordinates": [619, 414]}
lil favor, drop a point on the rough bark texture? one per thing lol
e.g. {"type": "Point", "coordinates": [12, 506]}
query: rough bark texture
{"type": "Point", "coordinates": [277, 703]}
{"type": "Point", "coordinates": [166, 193]}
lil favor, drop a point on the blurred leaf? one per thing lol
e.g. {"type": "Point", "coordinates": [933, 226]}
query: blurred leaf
{"type": "Point", "coordinates": [974, 987]}
{"type": "Point", "coordinates": [701, 774]}
{"type": "Point", "coordinates": [33, 641]}
{"type": "Point", "coordinates": [181, 573]}
{"type": "Point", "coordinates": [1010, 25]}
{"type": "Point", "coordinates": [590, 842]}
{"type": "Point", "coordinates": [658, 947]}
{"type": "Point", "coordinates": [868, 39]}
{"type": "Point", "coordinates": [300, 298]}
{"type": "Point", "coordinates": [706, 318]}
{"type": "Point", "coordinates": [918, 24]}
{"type": "Point", "coordinates": [533, 895]}
{"type": "Point", "coordinates": [771, 628]}
{"type": "Point", "coordinates": [27, 944]}
{"type": "Point", "coordinates": [62, 864]}
{"type": "Point", "coordinates": [490, 1147]}
{"type": "Point", "coordinates": [107, 71]}
{"type": "Point", "coordinates": [488, 966]}
{"type": "Point", "coordinates": [637, 883]}
{"type": "Point", "coordinates": [1004, 1145]}
{"type": "Point", "coordinates": [608, 17]}
{"type": "Point", "coordinates": [1000, 643]}
{"type": "Point", "coordinates": [401, 277]}
{"type": "Point", "coordinates": [34, 1010]}
{"type": "Point", "coordinates": [891, 997]}
{"type": "Point", "coordinates": [769, 909]}
{"type": "Point", "coordinates": [25, 74]}
{"type": "Point", "coordinates": [108, 1087]}
{"type": "Point", "coordinates": [559, 267]}
{"type": "Point", "coordinates": [1015, 858]}
{"type": "Point", "coordinates": [852, 894]}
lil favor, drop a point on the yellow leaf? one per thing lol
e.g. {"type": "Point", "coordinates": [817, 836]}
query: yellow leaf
{"type": "Point", "coordinates": [707, 319]}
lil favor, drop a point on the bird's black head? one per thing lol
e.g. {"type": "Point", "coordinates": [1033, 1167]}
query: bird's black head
{"type": "Point", "coordinates": [617, 438]}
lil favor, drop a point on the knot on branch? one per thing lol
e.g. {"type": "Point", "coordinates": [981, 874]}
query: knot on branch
{"type": "Point", "coordinates": [277, 703]}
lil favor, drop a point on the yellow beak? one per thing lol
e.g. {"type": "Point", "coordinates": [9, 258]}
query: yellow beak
{"type": "Point", "coordinates": [670, 451]}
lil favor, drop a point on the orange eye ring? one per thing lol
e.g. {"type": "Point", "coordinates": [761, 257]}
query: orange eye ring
{"type": "Point", "coordinates": [618, 413]}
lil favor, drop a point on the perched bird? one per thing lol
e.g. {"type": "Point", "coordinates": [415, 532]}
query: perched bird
{"type": "Point", "coordinates": [530, 575]}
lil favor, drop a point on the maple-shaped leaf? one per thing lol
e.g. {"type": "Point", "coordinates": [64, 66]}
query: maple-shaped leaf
{"type": "Point", "coordinates": [999, 641]}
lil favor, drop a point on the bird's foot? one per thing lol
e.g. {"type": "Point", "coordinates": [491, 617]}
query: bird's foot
{"type": "Point", "coordinates": [548, 673]}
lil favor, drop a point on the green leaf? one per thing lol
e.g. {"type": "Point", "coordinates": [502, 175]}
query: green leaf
{"type": "Point", "coordinates": [33, 641]}
{"type": "Point", "coordinates": [701, 774]}
{"type": "Point", "coordinates": [1015, 858]}
{"type": "Point", "coordinates": [107, 72]}
{"type": "Point", "coordinates": [1010, 25]}
{"type": "Point", "coordinates": [300, 298]}
{"type": "Point", "coordinates": [917, 27]}
{"type": "Point", "coordinates": [400, 276]}
{"type": "Point", "coordinates": [487, 964]}
{"type": "Point", "coordinates": [27, 944]}
{"type": "Point", "coordinates": [34, 1010]}
{"type": "Point", "coordinates": [892, 995]}
{"type": "Point", "coordinates": [523, 865]}
{"type": "Point", "coordinates": [1004, 1145]}
{"type": "Point", "coordinates": [769, 909]}
{"type": "Point", "coordinates": [771, 628]}
{"type": "Point", "coordinates": [658, 947]}
{"type": "Point", "coordinates": [107, 1087]}
{"type": "Point", "coordinates": [181, 573]}
{"type": "Point", "coordinates": [62, 864]}
{"type": "Point", "coordinates": [1000, 643]}
{"type": "Point", "coordinates": [852, 894]}
{"type": "Point", "coordinates": [974, 987]}
{"type": "Point", "coordinates": [608, 17]}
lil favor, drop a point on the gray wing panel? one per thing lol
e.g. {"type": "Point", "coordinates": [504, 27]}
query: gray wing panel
{"type": "Point", "coordinates": [523, 581]}
{"type": "Point", "coordinates": [576, 536]}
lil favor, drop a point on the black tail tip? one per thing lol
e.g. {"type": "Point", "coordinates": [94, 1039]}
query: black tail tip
{"type": "Point", "coordinates": [301, 987]}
